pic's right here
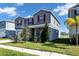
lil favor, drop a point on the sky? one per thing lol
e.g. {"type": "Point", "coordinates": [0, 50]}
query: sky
{"type": "Point", "coordinates": [10, 11]}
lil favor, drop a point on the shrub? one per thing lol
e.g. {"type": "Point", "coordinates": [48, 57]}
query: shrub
{"type": "Point", "coordinates": [25, 34]}
{"type": "Point", "coordinates": [15, 38]}
{"type": "Point", "coordinates": [44, 34]}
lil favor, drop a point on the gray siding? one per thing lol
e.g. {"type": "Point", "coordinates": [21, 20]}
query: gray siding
{"type": "Point", "coordinates": [53, 34]}
{"type": "Point", "coordinates": [7, 28]}
{"type": "Point", "coordinates": [71, 13]}
{"type": "Point", "coordinates": [19, 22]}
{"type": "Point", "coordinates": [2, 33]}
{"type": "Point", "coordinates": [54, 23]}
{"type": "Point", "coordinates": [2, 24]}
{"type": "Point", "coordinates": [10, 33]}
{"type": "Point", "coordinates": [41, 13]}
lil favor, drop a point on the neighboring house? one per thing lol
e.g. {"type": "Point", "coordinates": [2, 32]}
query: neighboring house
{"type": "Point", "coordinates": [36, 23]}
{"type": "Point", "coordinates": [72, 12]}
{"type": "Point", "coordinates": [7, 28]}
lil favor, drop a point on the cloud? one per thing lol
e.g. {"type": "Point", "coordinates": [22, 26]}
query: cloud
{"type": "Point", "coordinates": [63, 10]}
{"type": "Point", "coordinates": [19, 4]}
{"type": "Point", "coordinates": [28, 16]}
{"type": "Point", "coordinates": [11, 11]}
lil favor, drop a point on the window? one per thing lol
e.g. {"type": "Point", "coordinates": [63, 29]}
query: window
{"type": "Point", "coordinates": [2, 24]}
{"type": "Point", "coordinates": [54, 22]}
{"type": "Point", "coordinates": [41, 19]}
{"type": "Point", "coordinates": [19, 22]}
{"type": "Point", "coordinates": [77, 12]}
{"type": "Point", "coordinates": [30, 21]}
{"type": "Point", "coordinates": [25, 21]}
{"type": "Point", "coordinates": [57, 24]}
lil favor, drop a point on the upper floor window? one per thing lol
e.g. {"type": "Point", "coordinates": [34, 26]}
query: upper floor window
{"type": "Point", "coordinates": [54, 22]}
{"type": "Point", "coordinates": [41, 19]}
{"type": "Point", "coordinates": [57, 25]}
{"type": "Point", "coordinates": [30, 21]}
{"type": "Point", "coordinates": [2, 24]}
{"type": "Point", "coordinates": [19, 22]}
{"type": "Point", "coordinates": [77, 12]}
{"type": "Point", "coordinates": [25, 21]}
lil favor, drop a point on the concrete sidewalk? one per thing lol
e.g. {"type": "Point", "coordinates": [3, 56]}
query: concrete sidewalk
{"type": "Point", "coordinates": [5, 41]}
{"type": "Point", "coordinates": [30, 51]}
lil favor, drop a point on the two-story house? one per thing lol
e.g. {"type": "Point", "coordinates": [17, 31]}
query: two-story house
{"type": "Point", "coordinates": [20, 22]}
{"type": "Point", "coordinates": [36, 23]}
{"type": "Point", "coordinates": [7, 28]}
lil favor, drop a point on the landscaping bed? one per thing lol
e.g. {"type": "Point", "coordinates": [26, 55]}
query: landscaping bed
{"type": "Point", "coordinates": [59, 46]}
{"type": "Point", "coordinates": [6, 52]}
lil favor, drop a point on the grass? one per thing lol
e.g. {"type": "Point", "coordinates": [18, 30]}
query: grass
{"type": "Point", "coordinates": [6, 52]}
{"type": "Point", "coordinates": [64, 36]}
{"type": "Point", "coordinates": [60, 46]}
{"type": "Point", "coordinates": [3, 38]}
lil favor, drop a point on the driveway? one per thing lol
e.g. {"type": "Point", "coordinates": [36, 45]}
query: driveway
{"type": "Point", "coordinates": [5, 41]}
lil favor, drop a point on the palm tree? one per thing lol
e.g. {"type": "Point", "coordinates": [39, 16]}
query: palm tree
{"type": "Point", "coordinates": [77, 24]}
{"type": "Point", "coordinates": [70, 21]}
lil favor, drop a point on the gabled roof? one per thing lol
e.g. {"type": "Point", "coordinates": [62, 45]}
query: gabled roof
{"type": "Point", "coordinates": [77, 5]}
{"type": "Point", "coordinates": [19, 18]}
{"type": "Point", "coordinates": [47, 12]}
{"type": "Point", "coordinates": [7, 21]}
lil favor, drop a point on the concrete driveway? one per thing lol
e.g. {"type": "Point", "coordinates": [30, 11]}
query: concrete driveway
{"type": "Point", "coordinates": [5, 41]}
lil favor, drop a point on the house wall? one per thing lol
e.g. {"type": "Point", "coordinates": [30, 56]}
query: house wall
{"type": "Point", "coordinates": [2, 33]}
{"type": "Point", "coordinates": [73, 30]}
{"type": "Point", "coordinates": [71, 13]}
{"type": "Point", "coordinates": [10, 26]}
{"type": "Point", "coordinates": [7, 28]}
{"type": "Point", "coordinates": [47, 15]}
{"type": "Point", "coordinates": [10, 33]}
{"type": "Point", "coordinates": [6, 33]}
{"type": "Point", "coordinates": [54, 23]}
{"type": "Point", "coordinates": [53, 34]}
{"type": "Point", "coordinates": [2, 25]}
{"type": "Point", "coordinates": [19, 22]}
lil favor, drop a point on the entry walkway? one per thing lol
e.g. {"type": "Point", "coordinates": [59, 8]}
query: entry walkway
{"type": "Point", "coordinates": [30, 51]}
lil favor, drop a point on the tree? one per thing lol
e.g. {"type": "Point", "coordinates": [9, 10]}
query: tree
{"type": "Point", "coordinates": [44, 34]}
{"type": "Point", "coordinates": [25, 33]}
{"type": "Point", "coordinates": [77, 24]}
{"type": "Point", "coordinates": [69, 22]}
{"type": "Point", "coordinates": [15, 38]}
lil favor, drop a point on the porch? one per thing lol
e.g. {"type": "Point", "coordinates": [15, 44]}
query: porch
{"type": "Point", "coordinates": [35, 34]}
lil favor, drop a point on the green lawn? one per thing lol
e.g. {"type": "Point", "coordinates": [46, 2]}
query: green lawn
{"type": "Point", "coordinates": [6, 52]}
{"type": "Point", "coordinates": [64, 36]}
{"type": "Point", "coordinates": [59, 46]}
{"type": "Point", "coordinates": [3, 38]}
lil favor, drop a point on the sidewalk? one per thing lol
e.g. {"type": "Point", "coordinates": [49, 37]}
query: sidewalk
{"type": "Point", "coordinates": [7, 40]}
{"type": "Point", "coordinates": [30, 51]}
